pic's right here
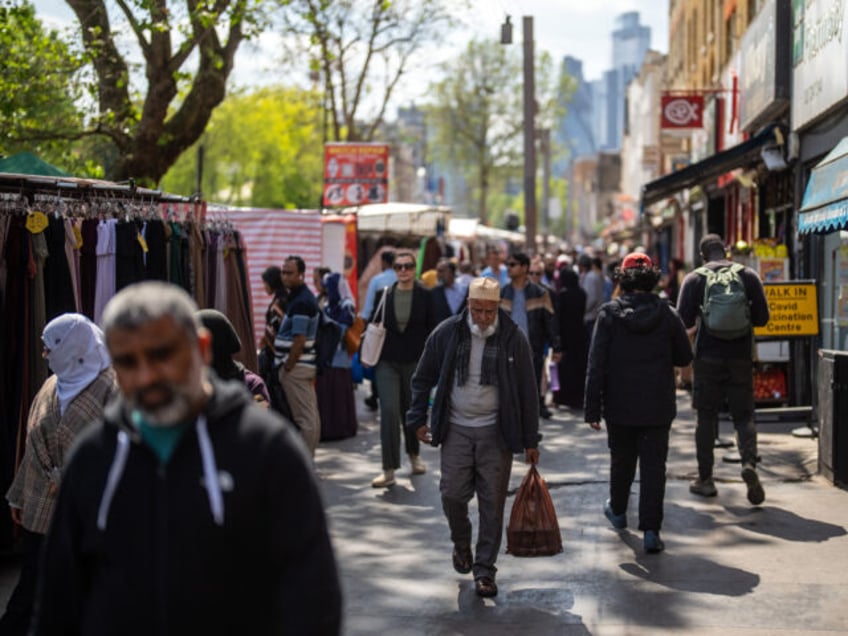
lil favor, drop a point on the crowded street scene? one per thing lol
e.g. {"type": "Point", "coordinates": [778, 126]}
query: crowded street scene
{"type": "Point", "coordinates": [424, 318]}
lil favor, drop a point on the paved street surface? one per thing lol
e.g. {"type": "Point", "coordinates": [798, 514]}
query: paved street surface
{"type": "Point", "coordinates": [729, 568]}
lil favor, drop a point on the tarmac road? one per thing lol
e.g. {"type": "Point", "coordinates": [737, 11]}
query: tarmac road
{"type": "Point", "coordinates": [728, 568]}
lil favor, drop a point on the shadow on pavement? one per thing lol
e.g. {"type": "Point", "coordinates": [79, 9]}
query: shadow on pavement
{"type": "Point", "coordinates": [687, 573]}
{"type": "Point", "coordinates": [783, 524]}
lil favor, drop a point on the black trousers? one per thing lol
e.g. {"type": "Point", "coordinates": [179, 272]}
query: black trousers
{"type": "Point", "coordinates": [647, 445]}
{"type": "Point", "coordinates": [15, 622]}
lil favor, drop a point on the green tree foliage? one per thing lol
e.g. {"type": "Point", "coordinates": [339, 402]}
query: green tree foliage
{"type": "Point", "coordinates": [477, 119]}
{"type": "Point", "coordinates": [152, 114]}
{"type": "Point", "coordinates": [261, 149]}
{"type": "Point", "coordinates": [476, 114]}
{"type": "Point", "coordinates": [39, 89]}
{"type": "Point", "coordinates": [359, 50]}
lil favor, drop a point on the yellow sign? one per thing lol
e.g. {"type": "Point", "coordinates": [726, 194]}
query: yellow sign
{"type": "Point", "coordinates": [793, 310]}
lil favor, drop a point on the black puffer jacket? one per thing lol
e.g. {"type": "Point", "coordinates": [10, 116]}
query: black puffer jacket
{"type": "Point", "coordinates": [637, 342]}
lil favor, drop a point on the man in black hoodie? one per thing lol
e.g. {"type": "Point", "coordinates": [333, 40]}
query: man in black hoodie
{"type": "Point", "coordinates": [189, 510]}
{"type": "Point", "coordinates": [637, 341]}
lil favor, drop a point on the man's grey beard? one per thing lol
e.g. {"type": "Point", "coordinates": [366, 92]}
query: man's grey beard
{"type": "Point", "coordinates": [176, 411]}
{"type": "Point", "coordinates": [480, 333]}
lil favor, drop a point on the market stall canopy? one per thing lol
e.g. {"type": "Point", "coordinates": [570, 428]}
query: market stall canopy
{"type": "Point", "coordinates": [402, 218]}
{"type": "Point", "coordinates": [825, 204]}
{"type": "Point", "coordinates": [739, 156]}
{"type": "Point", "coordinates": [470, 229]}
{"type": "Point", "coordinates": [29, 163]}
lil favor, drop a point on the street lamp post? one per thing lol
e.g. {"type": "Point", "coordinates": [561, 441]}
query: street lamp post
{"type": "Point", "coordinates": [529, 136]}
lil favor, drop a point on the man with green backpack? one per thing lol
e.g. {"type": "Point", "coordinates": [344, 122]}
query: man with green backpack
{"type": "Point", "coordinates": [722, 302]}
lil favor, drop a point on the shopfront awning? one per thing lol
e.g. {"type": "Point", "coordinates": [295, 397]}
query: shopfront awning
{"type": "Point", "coordinates": [825, 204]}
{"type": "Point", "coordinates": [739, 156]}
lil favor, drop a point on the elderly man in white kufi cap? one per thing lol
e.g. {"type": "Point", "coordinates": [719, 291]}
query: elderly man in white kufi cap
{"type": "Point", "coordinates": [485, 409]}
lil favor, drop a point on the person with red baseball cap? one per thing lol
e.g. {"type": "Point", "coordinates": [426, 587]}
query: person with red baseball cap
{"type": "Point", "coordinates": [637, 342]}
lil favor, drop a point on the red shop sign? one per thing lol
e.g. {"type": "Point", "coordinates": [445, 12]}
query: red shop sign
{"type": "Point", "coordinates": [355, 174]}
{"type": "Point", "coordinates": [682, 111]}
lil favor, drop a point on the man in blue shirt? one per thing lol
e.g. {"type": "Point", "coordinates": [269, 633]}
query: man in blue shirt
{"type": "Point", "coordinates": [495, 268]}
{"type": "Point", "coordinates": [294, 351]}
{"type": "Point", "coordinates": [449, 295]}
{"type": "Point", "coordinates": [531, 307]}
{"type": "Point", "coordinates": [385, 278]}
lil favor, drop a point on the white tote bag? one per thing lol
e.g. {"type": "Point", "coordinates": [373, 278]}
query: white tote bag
{"type": "Point", "coordinates": [375, 335]}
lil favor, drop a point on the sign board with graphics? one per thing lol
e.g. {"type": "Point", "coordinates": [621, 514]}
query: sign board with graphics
{"type": "Point", "coordinates": [355, 174]}
{"type": "Point", "coordinates": [681, 111]}
{"type": "Point", "coordinates": [764, 77]}
{"type": "Point", "coordinates": [793, 310]}
{"type": "Point", "coordinates": [819, 58]}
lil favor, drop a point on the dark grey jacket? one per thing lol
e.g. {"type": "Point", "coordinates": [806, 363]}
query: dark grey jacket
{"type": "Point", "coordinates": [518, 410]}
{"type": "Point", "coordinates": [637, 342]}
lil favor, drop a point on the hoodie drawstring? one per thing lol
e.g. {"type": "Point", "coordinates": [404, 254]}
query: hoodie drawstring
{"type": "Point", "coordinates": [116, 471]}
{"type": "Point", "coordinates": [210, 475]}
{"type": "Point", "coordinates": [210, 472]}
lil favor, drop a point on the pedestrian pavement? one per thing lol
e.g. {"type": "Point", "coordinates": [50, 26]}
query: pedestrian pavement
{"type": "Point", "coordinates": [728, 568]}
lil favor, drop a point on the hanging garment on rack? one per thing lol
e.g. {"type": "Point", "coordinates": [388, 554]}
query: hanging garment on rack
{"type": "Point", "coordinates": [88, 266]}
{"type": "Point", "coordinates": [238, 307]}
{"type": "Point", "coordinates": [58, 288]}
{"type": "Point", "coordinates": [156, 267]}
{"type": "Point", "coordinates": [197, 251]}
{"type": "Point", "coordinates": [72, 254]}
{"type": "Point", "coordinates": [105, 288]}
{"type": "Point", "coordinates": [177, 256]}
{"type": "Point", "coordinates": [221, 290]}
{"type": "Point", "coordinates": [211, 267]}
{"type": "Point", "coordinates": [129, 256]}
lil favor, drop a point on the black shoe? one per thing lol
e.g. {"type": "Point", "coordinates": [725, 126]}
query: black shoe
{"type": "Point", "coordinates": [462, 559]}
{"type": "Point", "coordinates": [756, 494]}
{"type": "Point", "coordinates": [545, 413]}
{"type": "Point", "coordinates": [371, 402]}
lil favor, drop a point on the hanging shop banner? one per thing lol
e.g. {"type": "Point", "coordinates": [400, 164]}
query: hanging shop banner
{"type": "Point", "coordinates": [793, 310]}
{"type": "Point", "coordinates": [355, 174]}
{"type": "Point", "coordinates": [681, 111]}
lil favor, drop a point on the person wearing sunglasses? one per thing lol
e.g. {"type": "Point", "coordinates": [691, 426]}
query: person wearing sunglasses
{"type": "Point", "coordinates": [530, 305]}
{"type": "Point", "coordinates": [408, 320]}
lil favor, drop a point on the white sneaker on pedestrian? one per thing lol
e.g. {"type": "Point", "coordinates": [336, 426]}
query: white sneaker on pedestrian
{"type": "Point", "coordinates": [418, 467]}
{"type": "Point", "coordinates": [385, 480]}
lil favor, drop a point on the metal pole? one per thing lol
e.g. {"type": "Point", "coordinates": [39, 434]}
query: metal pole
{"type": "Point", "coordinates": [529, 137]}
{"type": "Point", "coordinates": [545, 143]}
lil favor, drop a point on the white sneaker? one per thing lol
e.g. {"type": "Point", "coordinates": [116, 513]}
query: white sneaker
{"type": "Point", "coordinates": [418, 467]}
{"type": "Point", "coordinates": [385, 480]}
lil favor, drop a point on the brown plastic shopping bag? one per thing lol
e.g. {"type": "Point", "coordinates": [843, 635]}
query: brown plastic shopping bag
{"type": "Point", "coordinates": [533, 529]}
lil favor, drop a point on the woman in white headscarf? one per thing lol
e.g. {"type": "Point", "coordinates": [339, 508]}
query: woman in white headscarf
{"type": "Point", "coordinates": [69, 400]}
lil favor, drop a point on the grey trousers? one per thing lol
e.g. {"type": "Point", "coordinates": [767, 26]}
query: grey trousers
{"type": "Point", "coordinates": [473, 462]}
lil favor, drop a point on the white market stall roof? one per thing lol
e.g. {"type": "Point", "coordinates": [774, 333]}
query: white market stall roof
{"type": "Point", "coordinates": [470, 228]}
{"type": "Point", "coordinates": [401, 218]}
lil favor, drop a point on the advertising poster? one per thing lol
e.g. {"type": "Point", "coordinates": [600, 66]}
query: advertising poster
{"type": "Point", "coordinates": [355, 174]}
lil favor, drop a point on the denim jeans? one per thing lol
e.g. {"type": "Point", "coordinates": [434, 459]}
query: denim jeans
{"type": "Point", "coordinates": [717, 380]}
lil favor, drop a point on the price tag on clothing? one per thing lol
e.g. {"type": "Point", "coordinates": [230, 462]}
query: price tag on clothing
{"type": "Point", "coordinates": [37, 222]}
{"type": "Point", "coordinates": [142, 242]}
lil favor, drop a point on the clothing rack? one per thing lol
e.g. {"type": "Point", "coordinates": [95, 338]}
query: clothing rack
{"type": "Point", "coordinates": [201, 251]}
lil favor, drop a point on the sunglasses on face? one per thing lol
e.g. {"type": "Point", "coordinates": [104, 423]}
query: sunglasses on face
{"type": "Point", "coordinates": [406, 266]}
{"type": "Point", "coordinates": [535, 273]}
